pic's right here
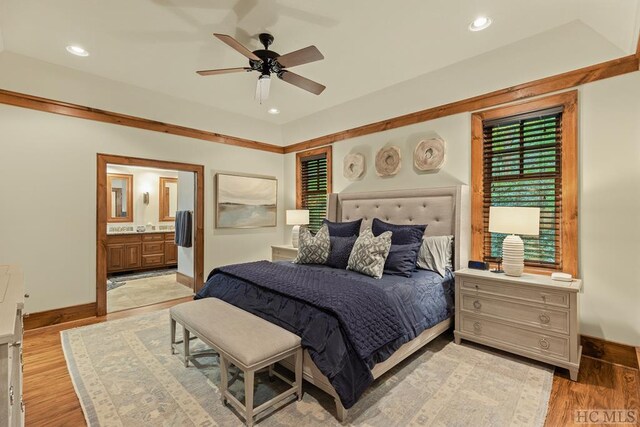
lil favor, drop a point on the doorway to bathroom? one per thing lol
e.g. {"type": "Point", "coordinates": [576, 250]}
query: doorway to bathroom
{"type": "Point", "coordinates": [150, 232]}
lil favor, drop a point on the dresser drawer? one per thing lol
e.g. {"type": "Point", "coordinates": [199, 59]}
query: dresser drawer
{"type": "Point", "coordinates": [170, 236]}
{"type": "Point", "coordinates": [529, 315]}
{"type": "Point", "coordinates": [152, 237]}
{"type": "Point", "coordinates": [152, 260]}
{"type": "Point", "coordinates": [149, 248]}
{"type": "Point", "coordinates": [511, 336]}
{"type": "Point", "coordinates": [524, 292]}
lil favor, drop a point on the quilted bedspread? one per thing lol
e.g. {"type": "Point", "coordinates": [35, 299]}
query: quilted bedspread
{"type": "Point", "coordinates": [364, 311]}
{"type": "Point", "coordinates": [347, 322]}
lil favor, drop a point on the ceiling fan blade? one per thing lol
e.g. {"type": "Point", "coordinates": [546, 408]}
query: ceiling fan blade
{"type": "Point", "coordinates": [222, 71]}
{"type": "Point", "coordinates": [299, 57]}
{"type": "Point", "coordinates": [302, 82]}
{"type": "Point", "coordinates": [237, 46]}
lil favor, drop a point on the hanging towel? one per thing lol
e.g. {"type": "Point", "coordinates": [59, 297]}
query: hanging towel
{"type": "Point", "coordinates": [183, 228]}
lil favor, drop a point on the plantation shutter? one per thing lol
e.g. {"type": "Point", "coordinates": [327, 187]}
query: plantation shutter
{"type": "Point", "coordinates": [522, 166]}
{"type": "Point", "coordinates": [314, 189]}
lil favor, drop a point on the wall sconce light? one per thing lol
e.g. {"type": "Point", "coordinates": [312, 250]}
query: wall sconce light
{"type": "Point", "coordinates": [145, 197]}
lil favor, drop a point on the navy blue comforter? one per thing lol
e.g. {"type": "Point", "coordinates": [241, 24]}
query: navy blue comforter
{"type": "Point", "coordinates": [347, 322]}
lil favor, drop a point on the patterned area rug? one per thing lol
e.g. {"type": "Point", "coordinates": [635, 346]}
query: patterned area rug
{"type": "Point", "coordinates": [124, 375]}
{"type": "Point", "coordinates": [114, 282]}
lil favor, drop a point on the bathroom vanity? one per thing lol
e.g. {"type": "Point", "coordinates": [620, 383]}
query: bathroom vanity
{"type": "Point", "coordinates": [141, 251]}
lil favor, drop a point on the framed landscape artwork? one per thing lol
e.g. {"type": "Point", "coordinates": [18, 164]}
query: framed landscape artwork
{"type": "Point", "coordinates": [246, 201]}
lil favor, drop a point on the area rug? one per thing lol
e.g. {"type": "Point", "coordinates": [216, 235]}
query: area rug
{"type": "Point", "coordinates": [125, 375]}
{"type": "Point", "coordinates": [114, 282]}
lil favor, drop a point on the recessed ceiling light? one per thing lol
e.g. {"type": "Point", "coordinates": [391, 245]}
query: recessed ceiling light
{"type": "Point", "coordinates": [273, 111]}
{"type": "Point", "coordinates": [77, 50]}
{"type": "Point", "coordinates": [480, 23]}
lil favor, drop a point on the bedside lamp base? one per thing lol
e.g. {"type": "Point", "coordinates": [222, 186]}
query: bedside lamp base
{"type": "Point", "coordinates": [295, 235]}
{"type": "Point", "coordinates": [513, 255]}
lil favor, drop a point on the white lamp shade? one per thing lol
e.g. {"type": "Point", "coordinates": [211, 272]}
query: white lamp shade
{"type": "Point", "coordinates": [297, 217]}
{"type": "Point", "coordinates": [514, 220]}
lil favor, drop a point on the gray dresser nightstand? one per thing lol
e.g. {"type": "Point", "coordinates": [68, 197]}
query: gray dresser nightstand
{"type": "Point", "coordinates": [283, 253]}
{"type": "Point", "coordinates": [531, 315]}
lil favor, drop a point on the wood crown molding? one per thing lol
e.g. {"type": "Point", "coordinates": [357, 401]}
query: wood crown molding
{"type": "Point", "coordinates": [559, 82]}
{"type": "Point", "coordinates": [82, 112]}
{"type": "Point", "coordinates": [59, 315]}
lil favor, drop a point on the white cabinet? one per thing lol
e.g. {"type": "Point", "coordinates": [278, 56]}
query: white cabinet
{"type": "Point", "coordinates": [531, 315]}
{"type": "Point", "coordinates": [11, 306]}
{"type": "Point", "coordinates": [283, 253]}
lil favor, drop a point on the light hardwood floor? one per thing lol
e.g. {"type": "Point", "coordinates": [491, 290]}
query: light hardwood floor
{"type": "Point", "coordinates": [51, 400]}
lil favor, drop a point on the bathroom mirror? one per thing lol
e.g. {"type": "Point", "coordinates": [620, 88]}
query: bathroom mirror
{"type": "Point", "coordinates": [119, 197]}
{"type": "Point", "coordinates": [168, 198]}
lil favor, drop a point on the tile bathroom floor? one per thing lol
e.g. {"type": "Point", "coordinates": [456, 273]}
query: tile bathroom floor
{"type": "Point", "coordinates": [141, 292]}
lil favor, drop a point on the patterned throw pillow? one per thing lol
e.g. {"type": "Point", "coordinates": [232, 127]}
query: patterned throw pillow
{"type": "Point", "coordinates": [369, 253]}
{"type": "Point", "coordinates": [313, 249]}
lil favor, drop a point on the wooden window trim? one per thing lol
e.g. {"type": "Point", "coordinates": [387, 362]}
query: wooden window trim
{"type": "Point", "coordinates": [327, 151]}
{"type": "Point", "coordinates": [569, 224]}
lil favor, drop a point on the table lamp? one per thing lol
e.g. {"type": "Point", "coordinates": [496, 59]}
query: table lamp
{"type": "Point", "coordinates": [514, 221]}
{"type": "Point", "coordinates": [297, 217]}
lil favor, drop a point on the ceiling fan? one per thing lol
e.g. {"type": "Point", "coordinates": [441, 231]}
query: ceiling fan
{"type": "Point", "coordinates": [268, 62]}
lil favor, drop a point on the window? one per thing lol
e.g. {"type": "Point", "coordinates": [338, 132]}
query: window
{"type": "Point", "coordinates": [525, 155]}
{"type": "Point", "coordinates": [313, 183]}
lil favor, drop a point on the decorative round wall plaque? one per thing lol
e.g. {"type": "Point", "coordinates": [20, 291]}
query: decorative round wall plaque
{"type": "Point", "coordinates": [353, 167]}
{"type": "Point", "coordinates": [388, 161]}
{"type": "Point", "coordinates": [429, 154]}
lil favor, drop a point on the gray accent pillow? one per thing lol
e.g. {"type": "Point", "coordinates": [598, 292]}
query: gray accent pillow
{"type": "Point", "coordinates": [369, 253]}
{"type": "Point", "coordinates": [435, 254]}
{"type": "Point", "coordinates": [313, 249]}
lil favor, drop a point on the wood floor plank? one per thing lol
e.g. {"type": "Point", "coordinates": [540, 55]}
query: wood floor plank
{"type": "Point", "coordinates": [51, 400]}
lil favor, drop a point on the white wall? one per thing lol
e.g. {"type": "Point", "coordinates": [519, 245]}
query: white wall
{"type": "Point", "coordinates": [609, 218]}
{"type": "Point", "coordinates": [609, 199]}
{"type": "Point", "coordinates": [54, 238]}
{"type": "Point", "coordinates": [186, 202]}
{"type": "Point", "coordinates": [144, 180]}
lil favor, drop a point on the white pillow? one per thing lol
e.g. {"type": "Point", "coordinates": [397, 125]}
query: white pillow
{"type": "Point", "coordinates": [435, 254]}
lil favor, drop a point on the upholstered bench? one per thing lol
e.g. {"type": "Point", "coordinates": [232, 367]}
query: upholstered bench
{"type": "Point", "coordinates": [247, 341]}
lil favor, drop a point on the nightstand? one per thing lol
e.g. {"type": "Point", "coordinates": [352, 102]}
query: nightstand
{"type": "Point", "coordinates": [531, 315]}
{"type": "Point", "coordinates": [283, 253]}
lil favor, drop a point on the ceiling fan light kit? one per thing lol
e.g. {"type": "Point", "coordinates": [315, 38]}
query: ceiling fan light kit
{"type": "Point", "coordinates": [268, 62]}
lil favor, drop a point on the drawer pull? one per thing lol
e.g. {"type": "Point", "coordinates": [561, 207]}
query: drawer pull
{"type": "Point", "coordinates": [544, 318]}
{"type": "Point", "coordinates": [544, 344]}
{"type": "Point", "coordinates": [477, 326]}
{"type": "Point", "coordinates": [11, 396]}
{"type": "Point", "coordinates": [477, 305]}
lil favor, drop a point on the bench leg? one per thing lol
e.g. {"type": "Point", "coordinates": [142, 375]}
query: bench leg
{"type": "Point", "coordinates": [341, 412]}
{"type": "Point", "coordinates": [224, 379]}
{"type": "Point", "coordinates": [172, 327]}
{"type": "Point", "coordinates": [298, 373]}
{"type": "Point", "coordinates": [185, 340]}
{"type": "Point", "coordinates": [248, 396]}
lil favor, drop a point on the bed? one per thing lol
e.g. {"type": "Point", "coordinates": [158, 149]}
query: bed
{"type": "Point", "coordinates": [352, 352]}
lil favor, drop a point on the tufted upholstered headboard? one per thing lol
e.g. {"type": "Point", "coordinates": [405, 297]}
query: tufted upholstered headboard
{"type": "Point", "coordinates": [446, 210]}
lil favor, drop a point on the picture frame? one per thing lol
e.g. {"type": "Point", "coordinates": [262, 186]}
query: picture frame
{"type": "Point", "coordinates": [246, 201]}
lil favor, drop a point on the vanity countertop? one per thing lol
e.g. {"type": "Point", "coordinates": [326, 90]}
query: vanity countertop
{"type": "Point", "coordinates": [112, 233]}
